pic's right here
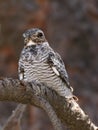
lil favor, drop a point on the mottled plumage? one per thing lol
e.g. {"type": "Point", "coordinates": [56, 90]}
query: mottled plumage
{"type": "Point", "coordinates": [39, 62]}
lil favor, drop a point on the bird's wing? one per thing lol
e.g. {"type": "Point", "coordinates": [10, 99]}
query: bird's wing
{"type": "Point", "coordinates": [57, 64]}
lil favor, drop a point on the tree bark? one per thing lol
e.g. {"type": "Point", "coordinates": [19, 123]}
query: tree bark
{"type": "Point", "coordinates": [68, 111]}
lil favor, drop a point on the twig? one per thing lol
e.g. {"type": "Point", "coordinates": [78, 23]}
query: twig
{"type": "Point", "coordinates": [13, 122]}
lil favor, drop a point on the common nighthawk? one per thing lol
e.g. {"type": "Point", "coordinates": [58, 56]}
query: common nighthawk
{"type": "Point", "coordinates": [39, 62]}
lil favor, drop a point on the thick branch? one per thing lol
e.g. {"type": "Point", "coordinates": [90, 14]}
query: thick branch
{"type": "Point", "coordinates": [68, 112]}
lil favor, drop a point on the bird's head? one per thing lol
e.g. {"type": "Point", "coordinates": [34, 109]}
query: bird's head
{"type": "Point", "coordinates": [34, 36]}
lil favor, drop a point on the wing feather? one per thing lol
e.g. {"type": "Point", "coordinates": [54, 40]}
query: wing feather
{"type": "Point", "coordinates": [57, 64]}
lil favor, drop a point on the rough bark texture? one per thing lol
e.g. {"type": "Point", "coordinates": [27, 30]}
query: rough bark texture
{"type": "Point", "coordinates": [69, 112]}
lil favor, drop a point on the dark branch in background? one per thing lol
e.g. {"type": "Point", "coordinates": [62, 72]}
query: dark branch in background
{"type": "Point", "coordinates": [69, 112]}
{"type": "Point", "coordinates": [51, 113]}
{"type": "Point", "coordinates": [13, 122]}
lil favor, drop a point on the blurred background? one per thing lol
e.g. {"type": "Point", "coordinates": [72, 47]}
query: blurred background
{"type": "Point", "coordinates": [71, 27]}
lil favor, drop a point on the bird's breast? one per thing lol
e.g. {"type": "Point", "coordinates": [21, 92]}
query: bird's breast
{"type": "Point", "coordinates": [41, 72]}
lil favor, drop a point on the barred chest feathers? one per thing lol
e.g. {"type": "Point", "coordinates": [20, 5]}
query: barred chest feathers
{"type": "Point", "coordinates": [36, 66]}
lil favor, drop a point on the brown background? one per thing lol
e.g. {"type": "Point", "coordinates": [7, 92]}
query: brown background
{"type": "Point", "coordinates": [71, 27]}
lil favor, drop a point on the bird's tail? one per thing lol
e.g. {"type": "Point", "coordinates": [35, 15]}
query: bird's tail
{"type": "Point", "coordinates": [67, 93]}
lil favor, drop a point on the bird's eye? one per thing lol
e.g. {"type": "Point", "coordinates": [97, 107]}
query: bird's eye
{"type": "Point", "coordinates": [39, 34]}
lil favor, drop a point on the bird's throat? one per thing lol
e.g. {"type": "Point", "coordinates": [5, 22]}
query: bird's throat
{"type": "Point", "coordinates": [30, 43]}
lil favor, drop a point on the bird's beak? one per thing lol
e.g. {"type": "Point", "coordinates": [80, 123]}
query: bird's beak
{"type": "Point", "coordinates": [24, 35]}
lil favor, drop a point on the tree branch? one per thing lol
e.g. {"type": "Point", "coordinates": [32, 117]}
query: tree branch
{"type": "Point", "coordinates": [69, 112]}
{"type": "Point", "coordinates": [13, 122]}
{"type": "Point", "coordinates": [51, 113]}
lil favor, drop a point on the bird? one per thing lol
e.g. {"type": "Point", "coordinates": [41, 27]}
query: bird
{"type": "Point", "coordinates": [39, 62]}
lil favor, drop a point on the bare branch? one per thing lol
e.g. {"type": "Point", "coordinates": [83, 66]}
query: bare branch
{"type": "Point", "coordinates": [69, 112]}
{"type": "Point", "coordinates": [51, 113]}
{"type": "Point", "coordinates": [13, 122]}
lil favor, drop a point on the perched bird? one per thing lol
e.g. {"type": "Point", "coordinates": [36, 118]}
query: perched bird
{"type": "Point", "coordinates": [39, 62]}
